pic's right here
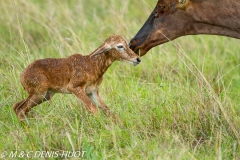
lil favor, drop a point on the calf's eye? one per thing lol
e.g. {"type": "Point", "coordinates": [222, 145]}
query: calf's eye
{"type": "Point", "coordinates": [120, 46]}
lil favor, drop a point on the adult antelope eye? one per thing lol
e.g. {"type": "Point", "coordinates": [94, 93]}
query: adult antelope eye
{"type": "Point", "coordinates": [182, 1]}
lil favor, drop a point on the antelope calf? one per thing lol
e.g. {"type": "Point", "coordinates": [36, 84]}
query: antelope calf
{"type": "Point", "coordinates": [77, 74]}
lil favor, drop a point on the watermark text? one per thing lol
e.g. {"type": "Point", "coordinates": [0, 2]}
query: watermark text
{"type": "Point", "coordinates": [42, 154]}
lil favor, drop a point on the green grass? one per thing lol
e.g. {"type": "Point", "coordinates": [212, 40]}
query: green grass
{"type": "Point", "coordinates": [180, 103]}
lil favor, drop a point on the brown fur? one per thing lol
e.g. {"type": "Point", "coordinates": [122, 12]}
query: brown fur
{"type": "Point", "coordinates": [77, 74]}
{"type": "Point", "coordinates": [171, 19]}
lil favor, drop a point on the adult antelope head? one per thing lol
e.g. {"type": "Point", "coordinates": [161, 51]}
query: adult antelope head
{"type": "Point", "coordinates": [171, 19]}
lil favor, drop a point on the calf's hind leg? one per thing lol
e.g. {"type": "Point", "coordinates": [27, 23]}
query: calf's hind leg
{"type": "Point", "coordinates": [22, 108]}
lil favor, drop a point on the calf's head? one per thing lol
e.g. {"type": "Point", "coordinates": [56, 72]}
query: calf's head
{"type": "Point", "coordinates": [117, 48]}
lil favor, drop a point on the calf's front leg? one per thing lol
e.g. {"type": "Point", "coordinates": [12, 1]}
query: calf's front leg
{"type": "Point", "coordinates": [95, 97]}
{"type": "Point", "coordinates": [81, 94]}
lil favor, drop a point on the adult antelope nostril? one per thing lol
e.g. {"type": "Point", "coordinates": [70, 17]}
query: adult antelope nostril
{"type": "Point", "coordinates": [130, 45]}
{"type": "Point", "coordinates": [133, 44]}
{"type": "Point", "coordinates": [138, 60]}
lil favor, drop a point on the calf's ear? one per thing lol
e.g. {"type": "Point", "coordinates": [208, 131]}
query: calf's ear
{"type": "Point", "coordinates": [102, 49]}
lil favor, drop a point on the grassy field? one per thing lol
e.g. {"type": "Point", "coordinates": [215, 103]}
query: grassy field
{"type": "Point", "coordinates": [181, 102]}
